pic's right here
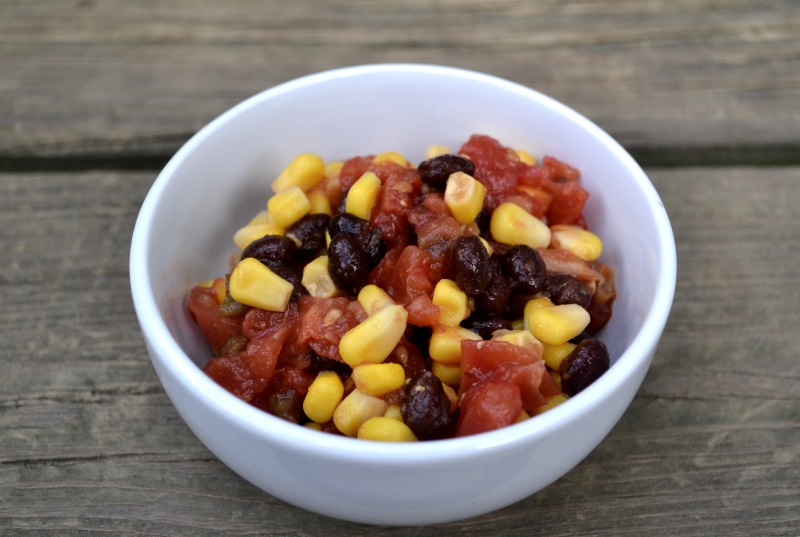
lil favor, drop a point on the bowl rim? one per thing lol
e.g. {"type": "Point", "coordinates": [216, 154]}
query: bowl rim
{"type": "Point", "coordinates": [167, 353]}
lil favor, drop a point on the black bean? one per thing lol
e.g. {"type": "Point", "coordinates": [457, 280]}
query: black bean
{"type": "Point", "coordinates": [471, 264]}
{"type": "Point", "coordinates": [347, 223]}
{"type": "Point", "coordinates": [349, 265]}
{"type": "Point", "coordinates": [585, 364]}
{"type": "Point", "coordinates": [309, 232]}
{"type": "Point", "coordinates": [425, 407]}
{"type": "Point", "coordinates": [496, 297]}
{"type": "Point", "coordinates": [436, 170]}
{"type": "Point", "coordinates": [271, 248]}
{"type": "Point", "coordinates": [526, 268]}
{"type": "Point", "coordinates": [483, 220]}
{"type": "Point", "coordinates": [485, 324]}
{"type": "Point", "coordinates": [373, 245]}
{"type": "Point", "coordinates": [567, 289]}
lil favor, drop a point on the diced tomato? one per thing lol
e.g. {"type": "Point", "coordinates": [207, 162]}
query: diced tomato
{"type": "Point", "coordinates": [496, 166]}
{"type": "Point", "coordinates": [203, 305]}
{"type": "Point", "coordinates": [490, 405]}
{"type": "Point", "coordinates": [397, 196]}
{"type": "Point", "coordinates": [231, 373]}
{"type": "Point", "coordinates": [258, 322]}
{"type": "Point", "coordinates": [482, 361]}
{"type": "Point", "coordinates": [407, 277]}
{"type": "Point", "coordinates": [352, 169]}
{"type": "Point", "coordinates": [323, 322]}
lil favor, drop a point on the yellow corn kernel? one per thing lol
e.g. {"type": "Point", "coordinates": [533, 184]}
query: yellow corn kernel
{"type": "Point", "coordinates": [554, 354]}
{"type": "Point", "coordinates": [452, 302]}
{"type": "Point", "coordinates": [305, 171]}
{"type": "Point", "coordinates": [324, 394]}
{"type": "Point", "coordinates": [445, 343]}
{"type": "Point", "coordinates": [251, 232]}
{"type": "Point", "coordinates": [374, 339]}
{"type": "Point", "coordinates": [261, 217]}
{"type": "Point", "coordinates": [518, 324]}
{"type": "Point", "coordinates": [464, 196]}
{"type": "Point", "coordinates": [450, 375]}
{"type": "Point", "coordinates": [393, 412]}
{"type": "Point", "coordinates": [317, 278]}
{"type": "Point", "coordinates": [355, 409]}
{"type": "Point", "coordinates": [390, 156]}
{"type": "Point", "coordinates": [372, 298]}
{"type": "Point", "coordinates": [511, 224]}
{"type": "Point", "coordinates": [451, 394]}
{"type": "Point", "coordinates": [489, 249]}
{"type": "Point", "coordinates": [220, 287]}
{"type": "Point", "coordinates": [520, 338]}
{"type": "Point", "coordinates": [525, 157]}
{"type": "Point", "coordinates": [313, 425]}
{"type": "Point", "coordinates": [333, 169]}
{"type": "Point", "coordinates": [523, 416]}
{"type": "Point", "coordinates": [556, 376]}
{"type": "Point", "coordinates": [320, 204]}
{"type": "Point", "coordinates": [551, 403]}
{"type": "Point", "coordinates": [382, 429]}
{"type": "Point", "coordinates": [288, 206]}
{"type": "Point", "coordinates": [254, 284]}
{"type": "Point", "coordinates": [577, 240]}
{"type": "Point", "coordinates": [362, 195]}
{"type": "Point", "coordinates": [533, 304]}
{"type": "Point", "coordinates": [436, 151]}
{"type": "Point", "coordinates": [378, 379]}
{"type": "Point", "coordinates": [558, 324]}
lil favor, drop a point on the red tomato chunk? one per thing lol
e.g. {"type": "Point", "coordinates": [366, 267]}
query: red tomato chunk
{"type": "Point", "coordinates": [394, 291]}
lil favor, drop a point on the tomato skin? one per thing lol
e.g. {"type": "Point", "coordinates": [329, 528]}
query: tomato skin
{"type": "Point", "coordinates": [406, 276]}
{"type": "Point", "coordinates": [496, 166]}
{"type": "Point", "coordinates": [490, 405]}
{"type": "Point", "coordinates": [204, 307]}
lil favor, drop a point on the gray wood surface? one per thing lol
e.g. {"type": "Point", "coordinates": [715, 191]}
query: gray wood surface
{"type": "Point", "coordinates": [94, 95]}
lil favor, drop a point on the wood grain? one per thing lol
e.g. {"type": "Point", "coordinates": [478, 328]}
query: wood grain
{"type": "Point", "coordinates": [90, 443]}
{"type": "Point", "coordinates": [109, 83]}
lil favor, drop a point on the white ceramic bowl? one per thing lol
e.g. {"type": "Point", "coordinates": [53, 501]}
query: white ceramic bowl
{"type": "Point", "coordinates": [221, 177]}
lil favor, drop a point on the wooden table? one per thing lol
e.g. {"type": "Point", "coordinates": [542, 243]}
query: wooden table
{"type": "Point", "coordinates": [95, 95]}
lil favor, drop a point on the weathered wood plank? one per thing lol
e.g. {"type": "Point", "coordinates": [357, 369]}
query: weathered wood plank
{"type": "Point", "coordinates": [115, 83]}
{"type": "Point", "coordinates": [89, 441]}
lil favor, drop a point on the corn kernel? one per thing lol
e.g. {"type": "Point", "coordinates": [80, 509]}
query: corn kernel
{"type": "Point", "coordinates": [520, 338]}
{"type": "Point", "coordinates": [251, 232]}
{"type": "Point", "coordinates": [533, 304]}
{"type": "Point", "coordinates": [254, 284]}
{"type": "Point", "coordinates": [261, 217]}
{"type": "Point", "coordinates": [452, 302]}
{"type": "Point", "coordinates": [558, 324]}
{"type": "Point", "coordinates": [304, 172]}
{"type": "Point", "coordinates": [381, 429]}
{"type": "Point", "coordinates": [451, 394]}
{"type": "Point", "coordinates": [220, 287]}
{"type": "Point", "coordinates": [464, 196]}
{"type": "Point", "coordinates": [436, 151]}
{"type": "Point", "coordinates": [313, 425]}
{"type": "Point", "coordinates": [374, 339]}
{"type": "Point", "coordinates": [320, 204]}
{"type": "Point", "coordinates": [323, 396]}
{"type": "Point", "coordinates": [525, 157]}
{"type": "Point", "coordinates": [556, 376]}
{"type": "Point", "coordinates": [518, 324]}
{"type": "Point", "coordinates": [554, 354]}
{"type": "Point", "coordinates": [378, 379]}
{"type": "Point", "coordinates": [317, 278]}
{"type": "Point", "coordinates": [448, 374]}
{"type": "Point", "coordinates": [390, 157]}
{"type": "Point", "coordinates": [577, 240]}
{"type": "Point", "coordinates": [372, 298]}
{"type": "Point", "coordinates": [363, 195]}
{"type": "Point", "coordinates": [355, 409]}
{"type": "Point", "coordinates": [393, 412]}
{"type": "Point", "coordinates": [551, 403]}
{"type": "Point", "coordinates": [445, 343]}
{"type": "Point", "coordinates": [542, 196]}
{"type": "Point", "coordinates": [489, 249]}
{"type": "Point", "coordinates": [333, 169]}
{"type": "Point", "coordinates": [511, 224]}
{"type": "Point", "coordinates": [288, 206]}
{"type": "Point", "coordinates": [523, 416]}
